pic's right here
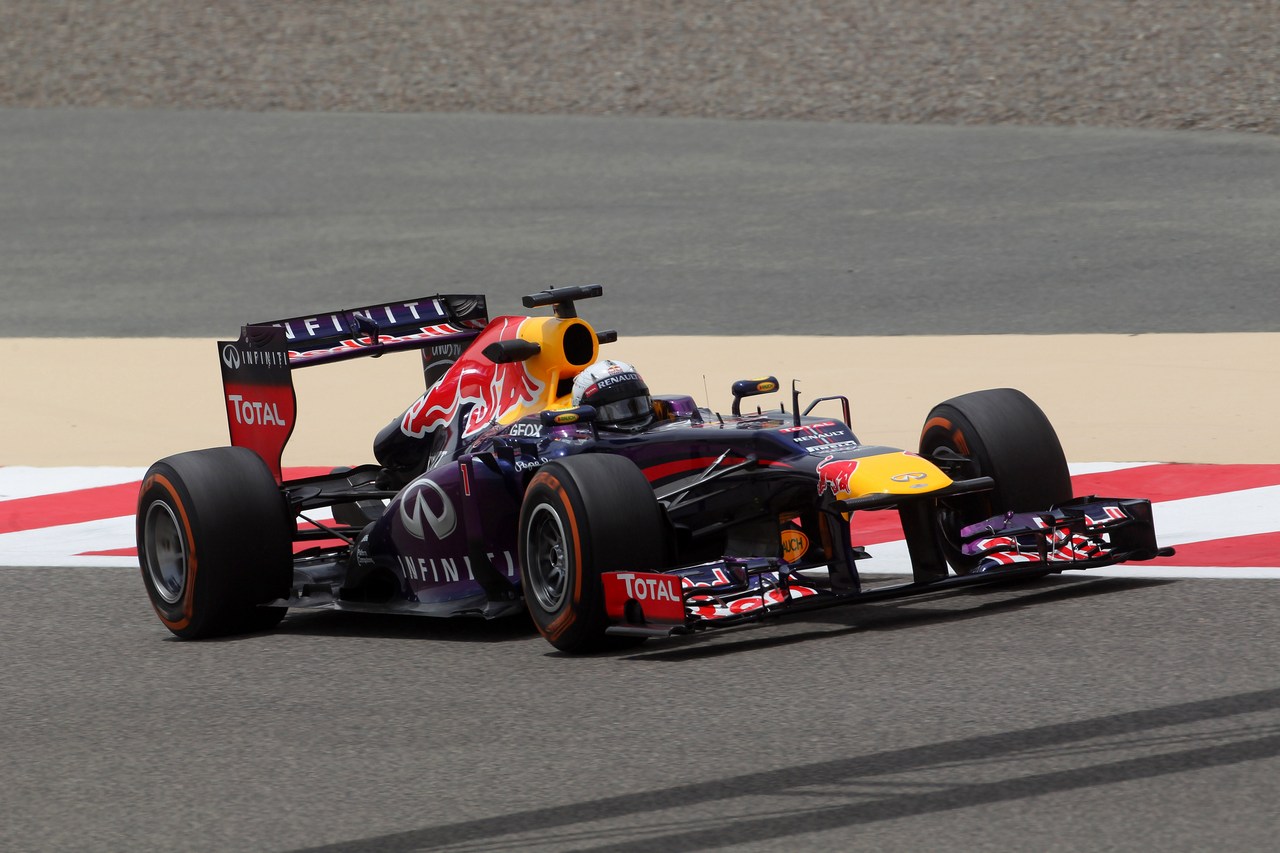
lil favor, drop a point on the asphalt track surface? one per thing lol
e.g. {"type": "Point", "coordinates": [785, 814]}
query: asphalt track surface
{"type": "Point", "coordinates": [1071, 714]}
{"type": "Point", "coordinates": [124, 223]}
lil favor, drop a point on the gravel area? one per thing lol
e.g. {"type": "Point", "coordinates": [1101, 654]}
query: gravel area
{"type": "Point", "coordinates": [1117, 63]}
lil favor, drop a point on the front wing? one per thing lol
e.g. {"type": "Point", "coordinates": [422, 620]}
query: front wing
{"type": "Point", "coordinates": [1085, 533]}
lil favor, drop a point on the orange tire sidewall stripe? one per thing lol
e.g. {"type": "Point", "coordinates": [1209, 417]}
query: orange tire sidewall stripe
{"type": "Point", "coordinates": [566, 619]}
{"type": "Point", "coordinates": [188, 598]}
{"type": "Point", "coordinates": [956, 436]}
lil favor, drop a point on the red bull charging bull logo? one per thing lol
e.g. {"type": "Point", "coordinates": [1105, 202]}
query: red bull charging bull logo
{"type": "Point", "coordinates": [834, 474]}
{"type": "Point", "coordinates": [492, 390]}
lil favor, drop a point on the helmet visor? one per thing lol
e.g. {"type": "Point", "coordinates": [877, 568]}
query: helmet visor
{"type": "Point", "coordinates": [621, 411]}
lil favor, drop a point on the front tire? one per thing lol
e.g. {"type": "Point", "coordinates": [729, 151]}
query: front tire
{"type": "Point", "coordinates": [1007, 437]}
{"type": "Point", "coordinates": [214, 542]}
{"type": "Point", "coordinates": [581, 516]}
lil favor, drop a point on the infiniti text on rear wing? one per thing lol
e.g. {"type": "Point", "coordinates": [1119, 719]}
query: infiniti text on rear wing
{"type": "Point", "coordinates": [257, 368]}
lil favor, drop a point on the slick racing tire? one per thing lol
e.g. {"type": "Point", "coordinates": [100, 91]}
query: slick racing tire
{"type": "Point", "coordinates": [582, 516]}
{"type": "Point", "coordinates": [214, 542]}
{"type": "Point", "coordinates": [1005, 436]}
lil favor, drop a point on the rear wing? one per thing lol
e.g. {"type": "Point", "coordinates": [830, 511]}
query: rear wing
{"type": "Point", "coordinates": [257, 368]}
{"type": "Point", "coordinates": [375, 329]}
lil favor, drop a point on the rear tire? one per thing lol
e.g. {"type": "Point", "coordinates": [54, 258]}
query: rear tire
{"type": "Point", "coordinates": [214, 542]}
{"type": "Point", "coordinates": [1007, 437]}
{"type": "Point", "coordinates": [581, 516]}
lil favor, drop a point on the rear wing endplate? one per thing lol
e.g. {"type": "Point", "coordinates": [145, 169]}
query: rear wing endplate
{"type": "Point", "coordinates": [257, 368]}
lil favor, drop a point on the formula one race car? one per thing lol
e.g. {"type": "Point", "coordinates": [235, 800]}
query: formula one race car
{"type": "Point", "coordinates": [524, 478]}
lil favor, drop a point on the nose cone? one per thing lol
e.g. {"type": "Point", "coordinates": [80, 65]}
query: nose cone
{"type": "Point", "coordinates": [899, 472]}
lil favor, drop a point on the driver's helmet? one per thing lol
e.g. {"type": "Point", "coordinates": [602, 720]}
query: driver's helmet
{"type": "Point", "coordinates": [618, 394]}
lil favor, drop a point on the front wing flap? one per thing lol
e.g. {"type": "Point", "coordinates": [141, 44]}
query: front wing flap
{"type": "Point", "coordinates": [1082, 534]}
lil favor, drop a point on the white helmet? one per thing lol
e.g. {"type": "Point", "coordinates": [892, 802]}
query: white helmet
{"type": "Point", "coordinates": [618, 394]}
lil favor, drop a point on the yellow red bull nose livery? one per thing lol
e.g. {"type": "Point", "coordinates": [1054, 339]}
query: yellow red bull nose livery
{"type": "Point", "coordinates": [534, 475]}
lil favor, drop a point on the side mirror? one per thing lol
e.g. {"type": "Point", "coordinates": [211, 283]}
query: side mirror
{"type": "Point", "coordinates": [506, 352]}
{"type": "Point", "coordinates": [751, 388]}
{"type": "Point", "coordinates": [568, 417]}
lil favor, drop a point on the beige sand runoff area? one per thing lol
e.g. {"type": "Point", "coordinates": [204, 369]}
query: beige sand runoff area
{"type": "Point", "coordinates": [1165, 398]}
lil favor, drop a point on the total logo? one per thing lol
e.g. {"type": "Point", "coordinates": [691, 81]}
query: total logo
{"type": "Point", "coordinates": [651, 587]}
{"type": "Point", "coordinates": [809, 427]}
{"type": "Point", "coordinates": [417, 515]}
{"type": "Point", "coordinates": [255, 412]}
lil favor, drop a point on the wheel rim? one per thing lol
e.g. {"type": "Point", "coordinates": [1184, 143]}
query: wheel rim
{"type": "Point", "coordinates": [545, 549]}
{"type": "Point", "coordinates": [166, 552]}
